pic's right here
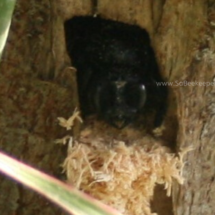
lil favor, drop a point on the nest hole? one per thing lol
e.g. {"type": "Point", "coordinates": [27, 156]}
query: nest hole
{"type": "Point", "coordinates": [118, 77]}
{"type": "Point", "coordinates": [108, 62]}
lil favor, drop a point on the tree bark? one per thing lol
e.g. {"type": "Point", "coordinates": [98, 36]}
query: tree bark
{"type": "Point", "coordinates": [186, 45]}
{"type": "Point", "coordinates": [38, 85]}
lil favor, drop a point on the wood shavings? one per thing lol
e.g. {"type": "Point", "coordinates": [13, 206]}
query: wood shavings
{"type": "Point", "coordinates": [122, 175]}
{"type": "Point", "coordinates": [69, 123]}
{"type": "Point", "coordinates": [159, 131]}
{"type": "Point", "coordinates": [64, 140]}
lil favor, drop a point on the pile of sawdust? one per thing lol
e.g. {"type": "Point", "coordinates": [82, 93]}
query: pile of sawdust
{"type": "Point", "coordinates": [120, 175]}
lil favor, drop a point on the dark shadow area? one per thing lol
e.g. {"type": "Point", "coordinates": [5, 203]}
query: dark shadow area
{"type": "Point", "coordinates": [117, 72]}
{"type": "Point", "coordinates": [161, 203]}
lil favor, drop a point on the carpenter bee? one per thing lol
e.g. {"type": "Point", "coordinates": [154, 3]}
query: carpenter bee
{"type": "Point", "coordinates": [116, 70]}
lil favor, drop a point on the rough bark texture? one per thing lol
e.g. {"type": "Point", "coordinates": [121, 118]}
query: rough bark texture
{"type": "Point", "coordinates": [186, 45]}
{"type": "Point", "coordinates": [37, 85]}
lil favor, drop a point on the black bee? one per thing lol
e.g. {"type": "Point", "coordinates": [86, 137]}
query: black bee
{"type": "Point", "coordinates": [117, 70]}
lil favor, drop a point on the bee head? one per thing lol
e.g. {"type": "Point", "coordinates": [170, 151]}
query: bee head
{"type": "Point", "coordinates": [119, 102]}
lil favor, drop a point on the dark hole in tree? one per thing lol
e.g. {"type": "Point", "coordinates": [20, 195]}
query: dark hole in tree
{"type": "Point", "coordinates": [118, 75]}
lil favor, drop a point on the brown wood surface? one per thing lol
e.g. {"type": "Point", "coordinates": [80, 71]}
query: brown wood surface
{"type": "Point", "coordinates": [37, 85]}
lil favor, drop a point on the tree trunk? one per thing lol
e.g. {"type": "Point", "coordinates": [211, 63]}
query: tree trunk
{"type": "Point", "coordinates": [38, 85]}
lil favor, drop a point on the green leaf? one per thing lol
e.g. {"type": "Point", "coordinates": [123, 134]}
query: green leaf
{"type": "Point", "coordinates": [6, 11]}
{"type": "Point", "coordinates": [68, 197]}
